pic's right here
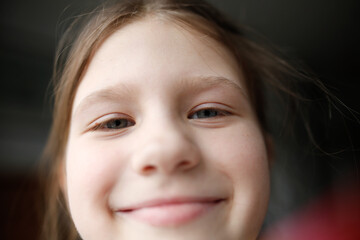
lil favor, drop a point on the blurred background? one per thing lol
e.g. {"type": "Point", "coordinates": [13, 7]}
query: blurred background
{"type": "Point", "coordinates": [324, 34]}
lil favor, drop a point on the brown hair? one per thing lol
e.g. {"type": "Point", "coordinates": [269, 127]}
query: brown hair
{"type": "Point", "coordinates": [84, 36]}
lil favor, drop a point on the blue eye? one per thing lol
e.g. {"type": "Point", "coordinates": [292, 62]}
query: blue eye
{"type": "Point", "coordinates": [207, 113]}
{"type": "Point", "coordinates": [114, 124]}
{"type": "Point", "coordinates": [118, 123]}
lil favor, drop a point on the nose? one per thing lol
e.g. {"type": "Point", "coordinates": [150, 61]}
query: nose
{"type": "Point", "coordinates": [165, 150]}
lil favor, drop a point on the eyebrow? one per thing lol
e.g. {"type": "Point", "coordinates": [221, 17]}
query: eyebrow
{"type": "Point", "coordinates": [206, 82]}
{"type": "Point", "coordinates": [124, 91]}
{"type": "Point", "coordinates": [110, 94]}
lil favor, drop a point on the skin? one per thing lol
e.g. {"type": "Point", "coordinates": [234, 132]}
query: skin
{"type": "Point", "coordinates": [162, 113]}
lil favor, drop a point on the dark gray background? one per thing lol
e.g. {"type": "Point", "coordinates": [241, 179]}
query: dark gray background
{"type": "Point", "coordinates": [322, 33]}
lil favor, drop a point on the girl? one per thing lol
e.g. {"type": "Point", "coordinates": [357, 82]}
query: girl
{"type": "Point", "coordinates": [160, 127]}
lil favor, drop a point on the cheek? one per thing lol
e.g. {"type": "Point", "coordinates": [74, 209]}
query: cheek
{"type": "Point", "coordinates": [247, 167]}
{"type": "Point", "coordinates": [93, 166]}
{"type": "Point", "coordinates": [246, 162]}
{"type": "Point", "coordinates": [240, 154]}
{"type": "Point", "coordinates": [92, 169]}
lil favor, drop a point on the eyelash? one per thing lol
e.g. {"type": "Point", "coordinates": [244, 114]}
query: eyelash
{"type": "Point", "coordinates": [117, 121]}
{"type": "Point", "coordinates": [208, 111]}
{"type": "Point", "coordinates": [205, 113]}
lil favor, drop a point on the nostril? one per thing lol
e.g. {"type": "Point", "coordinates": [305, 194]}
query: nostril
{"type": "Point", "coordinates": [148, 168]}
{"type": "Point", "coordinates": [183, 164]}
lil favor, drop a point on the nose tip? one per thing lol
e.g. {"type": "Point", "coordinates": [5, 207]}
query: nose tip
{"type": "Point", "coordinates": [166, 157]}
{"type": "Point", "coordinates": [152, 168]}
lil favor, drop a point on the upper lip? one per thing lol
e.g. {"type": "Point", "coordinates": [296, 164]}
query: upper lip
{"type": "Point", "coordinates": [168, 201]}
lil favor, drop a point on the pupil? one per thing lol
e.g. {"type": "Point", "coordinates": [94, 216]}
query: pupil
{"type": "Point", "coordinates": [208, 113]}
{"type": "Point", "coordinates": [115, 124]}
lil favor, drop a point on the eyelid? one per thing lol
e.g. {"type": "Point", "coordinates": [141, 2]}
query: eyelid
{"type": "Point", "coordinates": [223, 111]}
{"type": "Point", "coordinates": [213, 105]}
{"type": "Point", "coordinates": [94, 125]}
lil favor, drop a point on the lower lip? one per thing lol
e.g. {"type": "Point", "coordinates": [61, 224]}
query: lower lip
{"type": "Point", "coordinates": [170, 214]}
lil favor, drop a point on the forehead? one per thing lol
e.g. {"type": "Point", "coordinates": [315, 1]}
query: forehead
{"type": "Point", "coordinates": [155, 52]}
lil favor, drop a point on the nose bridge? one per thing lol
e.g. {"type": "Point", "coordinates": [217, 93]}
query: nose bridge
{"type": "Point", "coordinates": [166, 147]}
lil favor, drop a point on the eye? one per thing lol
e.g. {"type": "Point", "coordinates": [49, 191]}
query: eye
{"type": "Point", "coordinates": [208, 113]}
{"type": "Point", "coordinates": [114, 124]}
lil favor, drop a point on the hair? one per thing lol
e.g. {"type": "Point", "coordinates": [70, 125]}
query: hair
{"type": "Point", "coordinates": [262, 69]}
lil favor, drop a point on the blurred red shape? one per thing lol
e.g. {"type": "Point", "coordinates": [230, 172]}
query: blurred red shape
{"type": "Point", "coordinates": [334, 216]}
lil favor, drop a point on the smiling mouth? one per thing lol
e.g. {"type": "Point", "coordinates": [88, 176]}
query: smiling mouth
{"type": "Point", "coordinates": [170, 212]}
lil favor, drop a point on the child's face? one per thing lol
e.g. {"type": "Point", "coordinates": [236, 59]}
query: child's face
{"type": "Point", "coordinates": [163, 141]}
